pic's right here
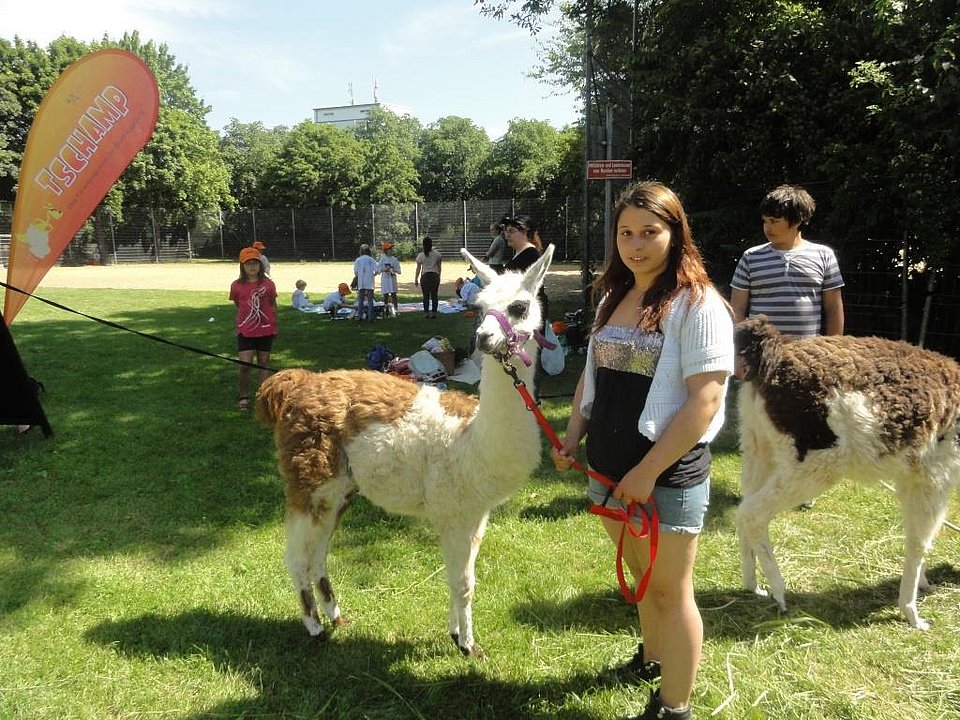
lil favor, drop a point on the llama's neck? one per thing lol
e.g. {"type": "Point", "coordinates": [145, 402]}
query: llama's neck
{"type": "Point", "coordinates": [502, 416]}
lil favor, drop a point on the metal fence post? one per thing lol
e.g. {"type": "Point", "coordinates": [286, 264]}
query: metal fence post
{"type": "Point", "coordinates": [925, 319]}
{"type": "Point", "coordinates": [113, 237]}
{"type": "Point", "coordinates": [416, 222]}
{"type": "Point", "coordinates": [333, 243]}
{"type": "Point", "coordinates": [293, 229]}
{"type": "Point", "coordinates": [156, 240]}
{"type": "Point", "coordinates": [223, 253]}
{"type": "Point", "coordinates": [905, 268]}
{"type": "Point", "coordinates": [253, 216]}
{"type": "Point", "coordinates": [373, 225]}
{"type": "Point", "coordinates": [465, 224]}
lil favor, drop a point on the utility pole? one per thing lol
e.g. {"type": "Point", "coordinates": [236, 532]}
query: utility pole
{"type": "Point", "coordinates": [585, 275]}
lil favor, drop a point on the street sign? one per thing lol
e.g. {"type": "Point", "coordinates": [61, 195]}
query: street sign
{"type": "Point", "coordinates": [609, 169]}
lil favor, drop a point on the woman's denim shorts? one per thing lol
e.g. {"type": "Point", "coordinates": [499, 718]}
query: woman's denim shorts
{"type": "Point", "coordinates": [681, 510]}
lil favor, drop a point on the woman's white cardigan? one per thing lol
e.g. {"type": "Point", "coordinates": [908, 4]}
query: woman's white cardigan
{"type": "Point", "coordinates": [696, 339]}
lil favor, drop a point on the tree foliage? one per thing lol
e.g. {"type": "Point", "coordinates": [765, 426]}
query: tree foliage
{"type": "Point", "coordinates": [453, 152]}
{"type": "Point", "coordinates": [525, 162]}
{"type": "Point", "coordinates": [180, 168]}
{"type": "Point", "coordinates": [317, 165]}
{"type": "Point", "coordinates": [857, 99]}
{"type": "Point", "coordinates": [391, 150]}
{"type": "Point", "coordinates": [248, 148]}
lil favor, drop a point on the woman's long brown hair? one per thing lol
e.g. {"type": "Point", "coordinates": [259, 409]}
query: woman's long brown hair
{"type": "Point", "coordinates": [685, 268]}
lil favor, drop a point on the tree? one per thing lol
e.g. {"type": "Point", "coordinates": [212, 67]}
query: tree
{"type": "Point", "coordinates": [317, 165]}
{"type": "Point", "coordinates": [391, 151]}
{"type": "Point", "coordinates": [524, 162]}
{"type": "Point", "coordinates": [247, 150]}
{"type": "Point", "coordinates": [452, 154]}
{"type": "Point", "coordinates": [173, 78]}
{"type": "Point", "coordinates": [180, 169]}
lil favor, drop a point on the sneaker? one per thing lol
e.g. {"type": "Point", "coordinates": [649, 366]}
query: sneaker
{"type": "Point", "coordinates": [634, 671]}
{"type": "Point", "coordinates": [656, 711]}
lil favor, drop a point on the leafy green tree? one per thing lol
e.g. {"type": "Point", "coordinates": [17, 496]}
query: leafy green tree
{"type": "Point", "coordinates": [26, 72]}
{"type": "Point", "coordinates": [525, 162]}
{"type": "Point", "coordinates": [453, 152]}
{"type": "Point", "coordinates": [248, 149]}
{"type": "Point", "coordinates": [317, 165]}
{"type": "Point", "coordinates": [180, 169]}
{"type": "Point", "coordinates": [173, 78]}
{"type": "Point", "coordinates": [391, 150]}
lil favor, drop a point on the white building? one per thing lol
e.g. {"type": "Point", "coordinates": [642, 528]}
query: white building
{"type": "Point", "coordinates": [348, 116]}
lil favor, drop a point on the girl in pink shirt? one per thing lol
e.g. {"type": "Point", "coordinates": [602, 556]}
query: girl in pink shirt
{"type": "Point", "coordinates": [255, 296]}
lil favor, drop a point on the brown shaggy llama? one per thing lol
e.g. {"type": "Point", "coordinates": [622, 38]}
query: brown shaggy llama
{"type": "Point", "coordinates": [815, 410]}
{"type": "Point", "coordinates": [446, 457]}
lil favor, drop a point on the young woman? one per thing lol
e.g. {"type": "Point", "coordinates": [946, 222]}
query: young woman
{"type": "Point", "coordinates": [649, 401]}
{"type": "Point", "coordinates": [427, 276]}
{"type": "Point", "coordinates": [524, 239]}
{"type": "Point", "coordinates": [255, 296]}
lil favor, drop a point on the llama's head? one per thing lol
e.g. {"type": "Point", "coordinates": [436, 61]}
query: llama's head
{"type": "Point", "coordinates": [514, 296]}
{"type": "Point", "coordinates": [757, 342]}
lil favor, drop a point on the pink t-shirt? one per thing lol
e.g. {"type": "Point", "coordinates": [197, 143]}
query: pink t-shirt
{"type": "Point", "coordinates": [256, 307]}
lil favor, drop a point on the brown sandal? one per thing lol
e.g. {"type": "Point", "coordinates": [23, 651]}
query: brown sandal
{"type": "Point", "coordinates": [243, 404]}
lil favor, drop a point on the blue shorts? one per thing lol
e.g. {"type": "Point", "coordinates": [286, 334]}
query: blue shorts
{"type": "Point", "coordinates": [681, 510]}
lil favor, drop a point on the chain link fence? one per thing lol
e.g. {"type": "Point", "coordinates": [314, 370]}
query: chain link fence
{"type": "Point", "coordinates": [321, 233]}
{"type": "Point", "coordinates": [920, 306]}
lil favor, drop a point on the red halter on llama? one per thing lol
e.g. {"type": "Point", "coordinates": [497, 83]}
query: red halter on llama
{"type": "Point", "coordinates": [411, 450]}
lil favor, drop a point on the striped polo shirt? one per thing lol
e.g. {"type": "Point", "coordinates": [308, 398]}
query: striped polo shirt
{"type": "Point", "coordinates": [787, 285]}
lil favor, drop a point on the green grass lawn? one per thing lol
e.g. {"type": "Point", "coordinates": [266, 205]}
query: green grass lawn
{"type": "Point", "coordinates": [142, 575]}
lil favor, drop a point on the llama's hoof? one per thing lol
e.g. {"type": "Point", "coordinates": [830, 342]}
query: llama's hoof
{"type": "Point", "coordinates": [912, 617]}
{"type": "Point", "coordinates": [475, 652]}
{"type": "Point", "coordinates": [759, 592]}
{"type": "Point", "coordinates": [315, 628]}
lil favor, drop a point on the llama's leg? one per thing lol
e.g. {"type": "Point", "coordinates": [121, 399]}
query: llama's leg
{"type": "Point", "coordinates": [924, 502]}
{"type": "Point", "coordinates": [459, 546]}
{"type": "Point", "coordinates": [308, 543]}
{"type": "Point", "coordinates": [782, 491]}
{"type": "Point", "coordinates": [755, 469]}
{"type": "Point", "coordinates": [302, 531]}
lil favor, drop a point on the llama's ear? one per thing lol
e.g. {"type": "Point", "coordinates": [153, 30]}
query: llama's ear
{"type": "Point", "coordinates": [484, 271]}
{"type": "Point", "coordinates": [533, 277]}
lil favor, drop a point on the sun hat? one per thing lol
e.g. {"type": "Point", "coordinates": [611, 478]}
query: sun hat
{"type": "Point", "coordinates": [387, 246]}
{"type": "Point", "coordinates": [259, 245]}
{"type": "Point", "coordinates": [249, 253]}
{"type": "Point", "coordinates": [344, 289]}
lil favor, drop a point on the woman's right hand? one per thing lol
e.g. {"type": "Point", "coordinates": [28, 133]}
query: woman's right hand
{"type": "Point", "coordinates": [563, 458]}
{"type": "Point", "coordinates": [561, 461]}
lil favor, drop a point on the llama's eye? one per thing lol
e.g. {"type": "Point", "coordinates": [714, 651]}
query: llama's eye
{"type": "Point", "coordinates": [518, 309]}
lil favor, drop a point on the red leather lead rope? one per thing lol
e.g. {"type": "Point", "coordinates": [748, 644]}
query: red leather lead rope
{"type": "Point", "coordinates": [651, 522]}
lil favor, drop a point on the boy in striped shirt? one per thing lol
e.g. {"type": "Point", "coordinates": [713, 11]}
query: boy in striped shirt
{"type": "Point", "coordinates": [792, 281]}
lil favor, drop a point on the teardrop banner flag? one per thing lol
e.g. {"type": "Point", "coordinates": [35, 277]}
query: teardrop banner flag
{"type": "Point", "coordinates": [94, 119]}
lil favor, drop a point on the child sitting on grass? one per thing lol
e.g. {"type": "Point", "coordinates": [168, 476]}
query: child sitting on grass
{"type": "Point", "coordinates": [336, 300]}
{"type": "Point", "coordinates": [301, 301]}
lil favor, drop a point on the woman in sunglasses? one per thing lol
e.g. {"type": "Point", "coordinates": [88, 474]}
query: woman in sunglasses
{"type": "Point", "coordinates": [521, 234]}
{"type": "Point", "coordinates": [649, 401]}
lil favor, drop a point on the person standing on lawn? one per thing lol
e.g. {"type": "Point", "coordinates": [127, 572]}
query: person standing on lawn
{"type": "Point", "coordinates": [389, 268]}
{"type": "Point", "coordinates": [255, 296]}
{"type": "Point", "coordinates": [365, 268]}
{"type": "Point", "coordinates": [427, 276]}
{"type": "Point", "coordinates": [649, 401]}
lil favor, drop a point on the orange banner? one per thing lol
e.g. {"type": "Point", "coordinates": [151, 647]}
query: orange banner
{"type": "Point", "coordinates": [97, 116]}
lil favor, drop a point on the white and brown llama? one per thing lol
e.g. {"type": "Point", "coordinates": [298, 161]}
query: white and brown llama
{"type": "Point", "coordinates": [446, 457]}
{"type": "Point", "coordinates": [816, 410]}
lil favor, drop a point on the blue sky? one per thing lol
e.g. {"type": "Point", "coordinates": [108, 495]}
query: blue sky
{"type": "Point", "coordinates": [274, 62]}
